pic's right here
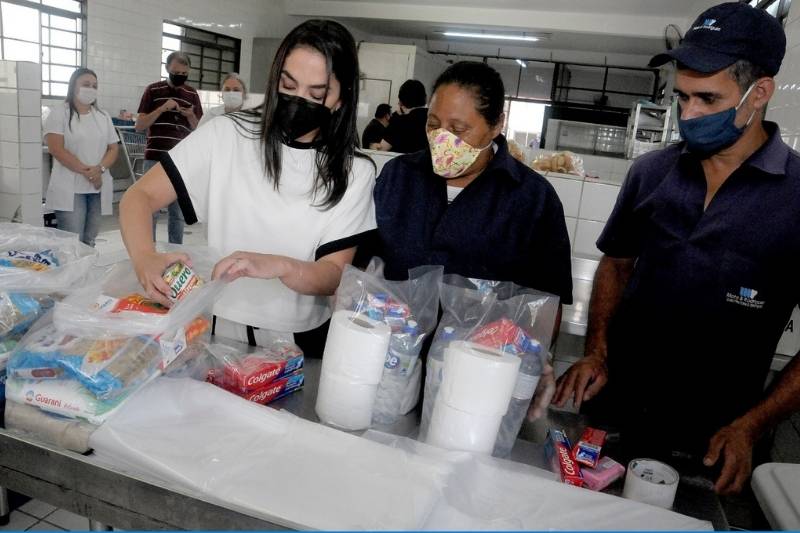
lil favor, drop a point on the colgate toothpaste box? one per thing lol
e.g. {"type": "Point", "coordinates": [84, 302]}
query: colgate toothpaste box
{"type": "Point", "coordinates": [276, 389]}
{"type": "Point", "coordinates": [247, 373]}
{"type": "Point", "coordinates": [587, 449]}
{"type": "Point", "coordinates": [270, 392]}
{"type": "Point", "coordinates": [557, 451]}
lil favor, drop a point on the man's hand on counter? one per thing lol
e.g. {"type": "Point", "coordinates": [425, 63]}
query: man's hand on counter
{"type": "Point", "coordinates": [733, 445]}
{"type": "Point", "coordinates": [582, 381]}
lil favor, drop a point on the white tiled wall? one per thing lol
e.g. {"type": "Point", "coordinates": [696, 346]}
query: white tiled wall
{"type": "Point", "coordinates": [20, 142]}
{"type": "Point", "coordinates": [785, 104]}
{"type": "Point", "coordinates": [124, 38]}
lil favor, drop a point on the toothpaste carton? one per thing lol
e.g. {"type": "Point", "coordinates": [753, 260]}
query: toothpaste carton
{"type": "Point", "coordinates": [557, 452]}
{"type": "Point", "coordinates": [276, 389]}
{"type": "Point", "coordinates": [246, 373]}
{"type": "Point", "coordinates": [587, 449]}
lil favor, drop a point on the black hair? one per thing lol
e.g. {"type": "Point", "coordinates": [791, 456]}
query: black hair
{"type": "Point", "coordinates": [180, 57]}
{"type": "Point", "coordinates": [337, 142]}
{"type": "Point", "coordinates": [382, 110]}
{"type": "Point", "coordinates": [412, 94]}
{"type": "Point", "coordinates": [485, 84]}
{"type": "Point", "coordinates": [71, 90]}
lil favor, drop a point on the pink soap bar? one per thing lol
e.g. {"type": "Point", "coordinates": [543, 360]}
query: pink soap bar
{"type": "Point", "coordinates": [604, 474]}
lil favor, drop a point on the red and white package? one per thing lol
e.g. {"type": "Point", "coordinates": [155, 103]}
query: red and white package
{"type": "Point", "coordinates": [247, 372]}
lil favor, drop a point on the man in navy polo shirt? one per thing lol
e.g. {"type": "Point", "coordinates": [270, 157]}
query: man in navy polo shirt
{"type": "Point", "coordinates": [698, 277]}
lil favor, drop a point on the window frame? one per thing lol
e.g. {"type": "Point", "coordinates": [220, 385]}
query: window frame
{"type": "Point", "coordinates": [81, 37]}
{"type": "Point", "coordinates": [204, 45]}
{"type": "Point", "coordinates": [783, 7]}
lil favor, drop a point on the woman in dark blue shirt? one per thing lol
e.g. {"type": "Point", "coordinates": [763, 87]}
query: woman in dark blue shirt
{"type": "Point", "coordinates": [466, 203]}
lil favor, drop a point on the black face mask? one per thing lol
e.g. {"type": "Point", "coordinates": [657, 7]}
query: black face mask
{"type": "Point", "coordinates": [296, 116]}
{"type": "Point", "coordinates": [178, 79]}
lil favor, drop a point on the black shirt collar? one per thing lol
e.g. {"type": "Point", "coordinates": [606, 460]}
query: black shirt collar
{"type": "Point", "coordinates": [770, 158]}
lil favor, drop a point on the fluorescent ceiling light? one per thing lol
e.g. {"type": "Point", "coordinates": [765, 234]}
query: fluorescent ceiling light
{"type": "Point", "coordinates": [494, 36]}
{"type": "Point", "coordinates": [521, 63]}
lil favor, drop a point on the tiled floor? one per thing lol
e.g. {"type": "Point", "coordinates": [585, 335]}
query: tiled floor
{"type": "Point", "coordinates": [35, 515]}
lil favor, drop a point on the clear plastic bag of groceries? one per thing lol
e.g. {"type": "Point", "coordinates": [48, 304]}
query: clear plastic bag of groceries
{"type": "Point", "coordinates": [499, 315]}
{"type": "Point", "coordinates": [260, 374]}
{"type": "Point", "coordinates": [115, 305]}
{"type": "Point", "coordinates": [107, 365]}
{"type": "Point", "coordinates": [409, 307]}
{"type": "Point", "coordinates": [37, 266]}
{"type": "Point", "coordinates": [42, 260]}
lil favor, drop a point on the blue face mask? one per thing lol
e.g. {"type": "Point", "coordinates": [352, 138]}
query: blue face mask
{"type": "Point", "coordinates": [709, 134]}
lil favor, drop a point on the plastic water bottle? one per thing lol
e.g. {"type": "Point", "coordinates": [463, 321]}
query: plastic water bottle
{"type": "Point", "coordinates": [530, 371]}
{"type": "Point", "coordinates": [403, 353]}
{"type": "Point", "coordinates": [433, 378]}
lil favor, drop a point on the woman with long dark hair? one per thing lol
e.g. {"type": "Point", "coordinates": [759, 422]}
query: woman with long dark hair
{"type": "Point", "coordinates": [83, 142]}
{"type": "Point", "coordinates": [281, 189]}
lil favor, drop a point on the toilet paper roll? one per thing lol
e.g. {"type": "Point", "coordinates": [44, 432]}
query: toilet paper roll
{"type": "Point", "coordinates": [356, 347]}
{"type": "Point", "coordinates": [650, 481]}
{"type": "Point", "coordinates": [344, 404]}
{"type": "Point", "coordinates": [453, 429]}
{"type": "Point", "coordinates": [477, 379]}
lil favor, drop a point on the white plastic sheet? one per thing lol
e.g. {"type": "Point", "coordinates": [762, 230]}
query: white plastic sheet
{"type": "Point", "coordinates": [281, 468]}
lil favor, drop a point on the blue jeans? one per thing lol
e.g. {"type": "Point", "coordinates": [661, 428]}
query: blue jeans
{"type": "Point", "coordinates": [84, 219]}
{"type": "Point", "coordinates": [175, 220]}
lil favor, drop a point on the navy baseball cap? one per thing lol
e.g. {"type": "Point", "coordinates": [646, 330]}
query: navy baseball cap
{"type": "Point", "coordinates": [726, 33]}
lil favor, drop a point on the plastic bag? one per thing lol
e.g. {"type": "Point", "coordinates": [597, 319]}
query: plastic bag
{"type": "Point", "coordinates": [107, 366]}
{"type": "Point", "coordinates": [410, 309]}
{"type": "Point", "coordinates": [259, 374]}
{"type": "Point", "coordinates": [61, 431]}
{"type": "Point", "coordinates": [115, 306]}
{"type": "Point", "coordinates": [42, 260]}
{"type": "Point", "coordinates": [499, 315]}
{"type": "Point", "coordinates": [564, 162]}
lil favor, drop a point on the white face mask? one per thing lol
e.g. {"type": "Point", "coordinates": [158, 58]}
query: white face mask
{"type": "Point", "coordinates": [87, 95]}
{"type": "Point", "coordinates": [232, 99]}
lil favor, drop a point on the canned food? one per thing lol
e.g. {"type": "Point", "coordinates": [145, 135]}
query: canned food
{"type": "Point", "coordinates": [181, 280]}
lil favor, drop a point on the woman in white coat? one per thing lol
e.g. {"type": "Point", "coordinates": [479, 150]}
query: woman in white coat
{"type": "Point", "coordinates": [233, 92]}
{"type": "Point", "coordinates": [83, 142]}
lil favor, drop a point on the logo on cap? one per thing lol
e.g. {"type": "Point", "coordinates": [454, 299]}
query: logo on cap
{"type": "Point", "coordinates": [708, 24]}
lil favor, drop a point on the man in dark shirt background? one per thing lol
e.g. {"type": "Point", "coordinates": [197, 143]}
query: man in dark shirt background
{"type": "Point", "coordinates": [169, 111]}
{"type": "Point", "coordinates": [406, 131]}
{"type": "Point", "coordinates": [373, 133]}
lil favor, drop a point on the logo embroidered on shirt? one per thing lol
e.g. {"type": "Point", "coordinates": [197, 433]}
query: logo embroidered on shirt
{"type": "Point", "coordinates": [745, 298]}
{"type": "Point", "coordinates": [708, 24]}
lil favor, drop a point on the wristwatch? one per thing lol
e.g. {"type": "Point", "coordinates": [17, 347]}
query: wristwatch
{"type": "Point", "coordinates": [103, 169]}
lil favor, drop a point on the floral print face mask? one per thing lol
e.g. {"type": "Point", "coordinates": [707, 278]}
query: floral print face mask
{"type": "Point", "coordinates": [451, 156]}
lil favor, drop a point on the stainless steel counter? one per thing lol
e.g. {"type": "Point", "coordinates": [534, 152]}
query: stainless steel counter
{"type": "Point", "coordinates": [76, 483]}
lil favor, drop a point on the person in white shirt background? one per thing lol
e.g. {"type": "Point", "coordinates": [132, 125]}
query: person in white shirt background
{"type": "Point", "coordinates": [233, 92]}
{"type": "Point", "coordinates": [281, 188]}
{"type": "Point", "coordinates": [83, 142]}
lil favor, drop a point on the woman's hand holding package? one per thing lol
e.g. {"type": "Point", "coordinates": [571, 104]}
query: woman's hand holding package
{"type": "Point", "coordinates": [250, 265]}
{"type": "Point", "coordinates": [150, 268]}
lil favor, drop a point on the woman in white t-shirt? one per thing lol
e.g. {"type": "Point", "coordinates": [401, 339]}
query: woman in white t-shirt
{"type": "Point", "coordinates": [281, 189]}
{"type": "Point", "coordinates": [233, 93]}
{"type": "Point", "coordinates": [83, 142]}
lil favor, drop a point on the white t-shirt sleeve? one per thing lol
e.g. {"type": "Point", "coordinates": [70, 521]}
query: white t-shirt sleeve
{"type": "Point", "coordinates": [188, 166]}
{"type": "Point", "coordinates": [55, 122]}
{"type": "Point", "coordinates": [354, 215]}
